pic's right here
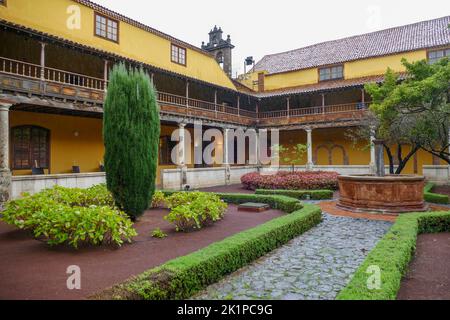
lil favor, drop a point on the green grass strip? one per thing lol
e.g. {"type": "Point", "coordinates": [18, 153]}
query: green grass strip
{"type": "Point", "coordinates": [184, 276]}
{"type": "Point", "coordinates": [392, 255]}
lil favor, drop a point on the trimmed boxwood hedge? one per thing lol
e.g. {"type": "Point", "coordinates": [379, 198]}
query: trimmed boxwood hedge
{"type": "Point", "coordinates": [434, 197]}
{"type": "Point", "coordinates": [300, 194]}
{"type": "Point", "coordinates": [283, 203]}
{"type": "Point", "coordinates": [184, 276]}
{"type": "Point", "coordinates": [280, 202]}
{"type": "Point", "coordinates": [393, 254]}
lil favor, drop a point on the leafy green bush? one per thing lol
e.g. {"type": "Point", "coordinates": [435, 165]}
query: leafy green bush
{"type": "Point", "coordinates": [158, 200]}
{"type": "Point", "coordinates": [193, 210]}
{"type": "Point", "coordinates": [158, 233]}
{"type": "Point", "coordinates": [300, 194]}
{"type": "Point", "coordinates": [392, 255]}
{"type": "Point", "coordinates": [73, 216]}
{"type": "Point", "coordinates": [434, 197]}
{"type": "Point", "coordinates": [184, 276]}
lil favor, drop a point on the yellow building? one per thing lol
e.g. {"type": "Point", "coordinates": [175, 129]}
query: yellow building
{"type": "Point", "coordinates": [55, 57]}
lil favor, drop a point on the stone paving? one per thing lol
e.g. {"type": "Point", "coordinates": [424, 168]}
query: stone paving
{"type": "Point", "coordinates": [313, 266]}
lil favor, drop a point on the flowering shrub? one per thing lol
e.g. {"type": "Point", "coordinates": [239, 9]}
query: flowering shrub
{"type": "Point", "coordinates": [158, 200]}
{"type": "Point", "coordinates": [306, 180]}
{"type": "Point", "coordinates": [73, 216]}
{"type": "Point", "coordinates": [194, 210]}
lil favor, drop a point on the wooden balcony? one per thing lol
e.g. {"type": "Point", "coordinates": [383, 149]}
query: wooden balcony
{"type": "Point", "coordinates": [311, 115]}
{"type": "Point", "coordinates": [29, 79]}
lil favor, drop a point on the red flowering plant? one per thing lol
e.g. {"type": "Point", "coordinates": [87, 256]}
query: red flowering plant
{"type": "Point", "coordinates": [306, 180]}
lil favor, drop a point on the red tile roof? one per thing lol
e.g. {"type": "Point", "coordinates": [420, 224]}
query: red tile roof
{"type": "Point", "coordinates": [425, 34]}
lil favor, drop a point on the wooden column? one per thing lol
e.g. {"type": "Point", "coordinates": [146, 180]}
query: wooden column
{"type": "Point", "coordinates": [187, 93]}
{"type": "Point", "coordinates": [288, 105]}
{"type": "Point", "coordinates": [257, 109]}
{"type": "Point", "coordinates": [43, 60]}
{"type": "Point", "coordinates": [215, 102]}
{"type": "Point", "coordinates": [323, 102]}
{"type": "Point", "coordinates": [238, 104]}
{"type": "Point", "coordinates": [105, 75]}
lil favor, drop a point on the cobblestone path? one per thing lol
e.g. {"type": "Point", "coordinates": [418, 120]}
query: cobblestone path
{"type": "Point", "coordinates": [315, 265]}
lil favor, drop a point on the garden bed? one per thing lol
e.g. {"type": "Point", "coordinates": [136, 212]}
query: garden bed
{"type": "Point", "coordinates": [436, 194]}
{"type": "Point", "coordinates": [182, 277]}
{"type": "Point", "coordinates": [36, 271]}
{"type": "Point", "coordinates": [284, 180]}
{"type": "Point", "coordinates": [393, 255]}
{"type": "Point", "coordinates": [428, 277]}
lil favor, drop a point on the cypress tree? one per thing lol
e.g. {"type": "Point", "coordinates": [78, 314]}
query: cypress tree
{"type": "Point", "coordinates": [131, 130]}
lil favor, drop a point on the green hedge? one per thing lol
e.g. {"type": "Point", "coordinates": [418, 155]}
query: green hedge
{"type": "Point", "coordinates": [392, 255]}
{"type": "Point", "coordinates": [280, 202]}
{"type": "Point", "coordinates": [184, 276]}
{"type": "Point", "coordinates": [434, 197]}
{"type": "Point", "coordinates": [299, 194]}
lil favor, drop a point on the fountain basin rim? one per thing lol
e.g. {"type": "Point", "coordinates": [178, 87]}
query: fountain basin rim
{"type": "Point", "coordinates": [387, 178]}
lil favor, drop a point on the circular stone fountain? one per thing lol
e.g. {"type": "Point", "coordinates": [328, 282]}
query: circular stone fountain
{"type": "Point", "coordinates": [382, 194]}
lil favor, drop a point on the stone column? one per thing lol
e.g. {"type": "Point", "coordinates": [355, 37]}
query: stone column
{"type": "Point", "coordinates": [257, 148]}
{"type": "Point", "coordinates": [226, 160]}
{"type": "Point", "coordinates": [5, 173]}
{"type": "Point", "coordinates": [372, 165]}
{"type": "Point", "coordinates": [182, 155]}
{"type": "Point", "coordinates": [309, 164]}
{"type": "Point", "coordinates": [379, 158]}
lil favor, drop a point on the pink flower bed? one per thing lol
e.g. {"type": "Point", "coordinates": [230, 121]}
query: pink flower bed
{"type": "Point", "coordinates": [309, 180]}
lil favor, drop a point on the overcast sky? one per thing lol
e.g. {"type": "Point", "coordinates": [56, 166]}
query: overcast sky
{"type": "Point", "coordinates": [260, 27]}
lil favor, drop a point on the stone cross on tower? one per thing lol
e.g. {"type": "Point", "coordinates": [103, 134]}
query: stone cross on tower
{"type": "Point", "coordinates": [220, 48]}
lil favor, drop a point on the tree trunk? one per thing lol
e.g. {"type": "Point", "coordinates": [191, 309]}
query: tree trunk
{"type": "Point", "coordinates": [391, 159]}
{"type": "Point", "coordinates": [402, 162]}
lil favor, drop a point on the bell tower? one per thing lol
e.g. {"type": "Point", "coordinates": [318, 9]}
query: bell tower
{"type": "Point", "coordinates": [220, 48]}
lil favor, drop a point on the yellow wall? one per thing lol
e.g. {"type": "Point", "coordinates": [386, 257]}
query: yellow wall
{"type": "Point", "coordinates": [67, 149]}
{"type": "Point", "coordinates": [354, 69]}
{"type": "Point", "coordinates": [377, 66]}
{"type": "Point", "coordinates": [358, 154]}
{"type": "Point", "coordinates": [86, 150]}
{"type": "Point", "coordinates": [50, 16]}
{"type": "Point", "coordinates": [291, 79]}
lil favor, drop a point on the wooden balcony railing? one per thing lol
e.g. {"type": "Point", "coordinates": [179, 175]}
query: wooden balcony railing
{"type": "Point", "coordinates": [34, 71]}
{"type": "Point", "coordinates": [338, 108]}
{"type": "Point", "coordinates": [20, 68]}
{"type": "Point", "coordinates": [75, 79]}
